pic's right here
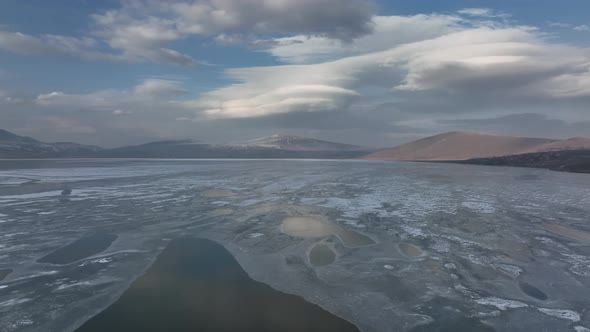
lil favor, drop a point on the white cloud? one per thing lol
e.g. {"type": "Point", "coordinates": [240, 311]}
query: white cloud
{"type": "Point", "coordinates": [583, 27]}
{"type": "Point", "coordinates": [26, 44]}
{"type": "Point", "coordinates": [476, 11]}
{"type": "Point", "coordinates": [419, 68]}
{"type": "Point", "coordinates": [512, 63]}
{"type": "Point", "coordinates": [158, 88]}
{"type": "Point", "coordinates": [559, 24]}
{"type": "Point", "coordinates": [482, 12]}
{"type": "Point", "coordinates": [288, 98]}
{"type": "Point", "coordinates": [150, 92]}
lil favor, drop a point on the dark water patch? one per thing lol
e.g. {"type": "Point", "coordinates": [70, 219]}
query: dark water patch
{"type": "Point", "coordinates": [197, 285]}
{"type": "Point", "coordinates": [532, 291]}
{"type": "Point", "coordinates": [79, 249]}
{"type": "Point", "coordinates": [4, 273]}
{"type": "Point", "coordinates": [321, 255]}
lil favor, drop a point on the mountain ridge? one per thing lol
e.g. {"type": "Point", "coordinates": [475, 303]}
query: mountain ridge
{"type": "Point", "coordinates": [450, 146]}
{"type": "Point", "coordinates": [299, 143]}
{"type": "Point", "coordinates": [16, 146]}
{"type": "Point", "coordinates": [461, 145]}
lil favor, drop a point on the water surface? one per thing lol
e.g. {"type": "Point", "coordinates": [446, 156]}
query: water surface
{"type": "Point", "coordinates": [321, 255]}
{"type": "Point", "coordinates": [492, 247]}
{"type": "Point", "coordinates": [196, 285]}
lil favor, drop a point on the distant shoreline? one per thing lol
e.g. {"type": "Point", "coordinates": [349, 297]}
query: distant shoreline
{"type": "Point", "coordinates": [571, 161]}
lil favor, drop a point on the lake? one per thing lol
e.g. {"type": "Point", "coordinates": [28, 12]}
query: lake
{"type": "Point", "coordinates": [383, 246]}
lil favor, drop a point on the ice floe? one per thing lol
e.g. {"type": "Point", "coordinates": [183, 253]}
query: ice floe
{"type": "Point", "coordinates": [561, 313]}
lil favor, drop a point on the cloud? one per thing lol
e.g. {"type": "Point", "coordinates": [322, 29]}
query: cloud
{"type": "Point", "coordinates": [583, 27]}
{"type": "Point", "coordinates": [285, 99]}
{"type": "Point", "coordinates": [337, 19]}
{"type": "Point", "coordinates": [158, 88]}
{"type": "Point", "coordinates": [559, 25]}
{"type": "Point", "coordinates": [134, 47]}
{"type": "Point", "coordinates": [8, 98]}
{"type": "Point", "coordinates": [140, 38]}
{"type": "Point", "coordinates": [142, 30]}
{"type": "Point", "coordinates": [514, 64]}
{"type": "Point", "coordinates": [50, 45]}
{"type": "Point", "coordinates": [482, 12]}
{"type": "Point", "coordinates": [388, 32]}
{"type": "Point", "coordinates": [150, 92]}
{"type": "Point", "coordinates": [25, 44]}
{"type": "Point", "coordinates": [412, 76]}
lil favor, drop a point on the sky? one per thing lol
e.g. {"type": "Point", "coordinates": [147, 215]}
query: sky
{"type": "Point", "coordinates": [370, 72]}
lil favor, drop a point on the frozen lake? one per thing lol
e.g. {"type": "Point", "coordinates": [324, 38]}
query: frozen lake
{"type": "Point", "coordinates": [409, 246]}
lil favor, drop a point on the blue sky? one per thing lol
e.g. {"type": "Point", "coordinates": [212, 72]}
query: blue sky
{"type": "Point", "coordinates": [378, 73]}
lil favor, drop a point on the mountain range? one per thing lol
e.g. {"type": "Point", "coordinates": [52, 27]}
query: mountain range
{"type": "Point", "coordinates": [465, 147]}
{"type": "Point", "coordinates": [15, 146]}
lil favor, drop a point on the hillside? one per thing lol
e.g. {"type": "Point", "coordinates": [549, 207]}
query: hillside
{"type": "Point", "coordinates": [276, 146]}
{"type": "Point", "coordinates": [297, 143]}
{"type": "Point", "coordinates": [577, 161]}
{"type": "Point", "coordinates": [575, 143]}
{"type": "Point", "coordinates": [462, 146]}
{"type": "Point", "coordinates": [15, 146]}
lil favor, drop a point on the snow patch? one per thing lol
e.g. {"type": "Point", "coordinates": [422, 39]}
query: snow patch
{"type": "Point", "coordinates": [481, 207]}
{"type": "Point", "coordinates": [413, 231]}
{"type": "Point", "coordinates": [501, 304]}
{"type": "Point", "coordinates": [255, 235]}
{"type": "Point", "coordinates": [512, 270]}
{"type": "Point", "coordinates": [12, 302]}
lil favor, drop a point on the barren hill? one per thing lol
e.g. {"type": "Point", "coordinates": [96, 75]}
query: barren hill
{"type": "Point", "coordinates": [461, 146]}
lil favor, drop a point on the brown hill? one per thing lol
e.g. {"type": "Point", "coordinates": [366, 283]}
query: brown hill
{"type": "Point", "coordinates": [462, 146]}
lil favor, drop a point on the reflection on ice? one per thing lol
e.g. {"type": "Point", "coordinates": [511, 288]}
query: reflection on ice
{"type": "Point", "coordinates": [574, 234]}
{"type": "Point", "coordinates": [307, 227]}
{"type": "Point", "coordinates": [196, 285]}
{"type": "Point", "coordinates": [410, 250]}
